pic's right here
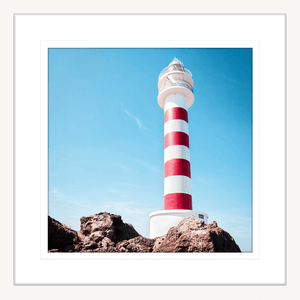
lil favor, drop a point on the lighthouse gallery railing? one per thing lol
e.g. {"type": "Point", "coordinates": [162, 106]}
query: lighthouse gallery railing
{"type": "Point", "coordinates": [176, 83]}
{"type": "Point", "coordinates": [164, 71]}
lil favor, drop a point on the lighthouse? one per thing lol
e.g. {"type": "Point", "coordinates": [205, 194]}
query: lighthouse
{"type": "Point", "coordinates": [175, 97]}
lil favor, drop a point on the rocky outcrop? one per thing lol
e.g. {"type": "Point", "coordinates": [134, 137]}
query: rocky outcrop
{"type": "Point", "coordinates": [105, 232]}
{"type": "Point", "coordinates": [193, 235]}
{"type": "Point", "coordinates": [101, 232]}
{"type": "Point", "coordinates": [61, 238]}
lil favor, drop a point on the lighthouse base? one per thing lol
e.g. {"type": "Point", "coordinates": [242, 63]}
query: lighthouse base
{"type": "Point", "coordinates": [162, 221]}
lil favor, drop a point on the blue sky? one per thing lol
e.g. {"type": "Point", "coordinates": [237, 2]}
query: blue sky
{"type": "Point", "coordinates": [106, 135]}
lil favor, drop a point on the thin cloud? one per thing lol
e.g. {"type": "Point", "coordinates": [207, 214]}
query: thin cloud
{"type": "Point", "coordinates": [146, 164]}
{"type": "Point", "coordinates": [138, 122]}
{"type": "Point", "coordinates": [80, 203]}
{"type": "Point", "coordinates": [135, 185]}
{"type": "Point", "coordinates": [126, 170]}
{"type": "Point", "coordinates": [57, 193]}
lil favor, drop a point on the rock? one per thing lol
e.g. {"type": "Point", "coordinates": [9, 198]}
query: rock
{"type": "Point", "coordinates": [97, 236]}
{"type": "Point", "coordinates": [91, 245]}
{"type": "Point", "coordinates": [157, 243]}
{"type": "Point", "coordinates": [105, 232]}
{"type": "Point", "coordinates": [70, 248]}
{"type": "Point", "coordinates": [107, 242]}
{"type": "Point", "coordinates": [193, 235]}
{"type": "Point", "coordinates": [107, 225]}
{"type": "Point", "coordinates": [137, 244]}
{"type": "Point", "coordinates": [60, 236]}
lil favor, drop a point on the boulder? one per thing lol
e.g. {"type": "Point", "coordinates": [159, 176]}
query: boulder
{"type": "Point", "coordinates": [61, 237]}
{"type": "Point", "coordinates": [105, 225]}
{"type": "Point", "coordinates": [193, 235]}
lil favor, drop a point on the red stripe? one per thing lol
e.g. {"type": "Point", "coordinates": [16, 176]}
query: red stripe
{"type": "Point", "coordinates": [176, 138]}
{"type": "Point", "coordinates": [175, 113]}
{"type": "Point", "coordinates": [178, 201]}
{"type": "Point", "coordinates": [177, 166]}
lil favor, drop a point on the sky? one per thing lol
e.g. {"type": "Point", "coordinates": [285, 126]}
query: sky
{"type": "Point", "coordinates": [106, 139]}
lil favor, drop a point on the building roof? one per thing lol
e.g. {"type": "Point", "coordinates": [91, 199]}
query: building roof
{"type": "Point", "coordinates": [176, 61]}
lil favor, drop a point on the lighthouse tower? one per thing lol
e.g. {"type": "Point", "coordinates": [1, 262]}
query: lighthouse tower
{"type": "Point", "coordinates": [175, 85]}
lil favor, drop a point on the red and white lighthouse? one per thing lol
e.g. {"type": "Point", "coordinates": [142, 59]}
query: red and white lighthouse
{"type": "Point", "coordinates": [175, 85]}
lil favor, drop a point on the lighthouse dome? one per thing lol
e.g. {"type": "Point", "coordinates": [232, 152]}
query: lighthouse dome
{"type": "Point", "coordinates": [176, 64]}
{"type": "Point", "coordinates": [176, 61]}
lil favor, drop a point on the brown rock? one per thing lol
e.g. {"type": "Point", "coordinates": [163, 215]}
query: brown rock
{"type": "Point", "coordinates": [157, 243]}
{"type": "Point", "coordinates": [97, 236]}
{"type": "Point", "coordinates": [192, 235]}
{"type": "Point", "coordinates": [108, 225]}
{"type": "Point", "coordinates": [137, 244]}
{"type": "Point", "coordinates": [60, 236]}
{"type": "Point", "coordinates": [106, 232]}
{"type": "Point", "coordinates": [90, 245]}
{"type": "Point", "coordinates": [107, 242]}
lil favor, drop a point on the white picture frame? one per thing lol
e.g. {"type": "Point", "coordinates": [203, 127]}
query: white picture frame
{"type": "Point", "coordinates": [34, 33]}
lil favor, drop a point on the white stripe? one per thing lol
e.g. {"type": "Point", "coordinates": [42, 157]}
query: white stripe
{"type": "Point", "coordinates": [177, 151]}
{"type": "Point", "coordinates": [175, 101]}
{"type": "Point", "coordinates": [176, 125]}
{"type": "Point", "coordinates": [178, 184]}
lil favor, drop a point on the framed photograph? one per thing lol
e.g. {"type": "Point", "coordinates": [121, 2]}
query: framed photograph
{"type": "Point", "coordinates": [89, 138]}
